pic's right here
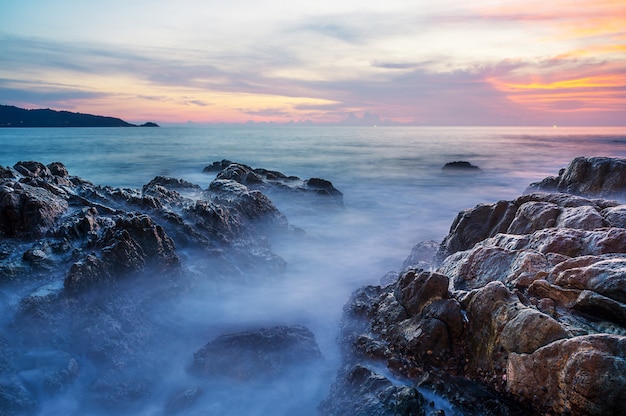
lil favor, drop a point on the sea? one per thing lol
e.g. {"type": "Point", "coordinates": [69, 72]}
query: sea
{"type": "Point", "coordinates": [395, 195]}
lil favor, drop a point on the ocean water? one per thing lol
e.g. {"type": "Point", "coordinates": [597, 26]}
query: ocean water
{"type": "Point", "coordinates": [395, 195]}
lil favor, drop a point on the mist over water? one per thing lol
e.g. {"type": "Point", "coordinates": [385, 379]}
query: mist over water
{"type": "Point", "coordinates": [395, 195]}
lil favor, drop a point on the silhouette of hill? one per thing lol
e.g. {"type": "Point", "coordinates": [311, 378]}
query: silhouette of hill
{"type": "Point", "coordinates": [11, 116]}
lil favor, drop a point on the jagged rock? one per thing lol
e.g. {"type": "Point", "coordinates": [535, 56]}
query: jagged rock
{"type": "Point", "coordinates": [126, 248]}
{"type": "Point", "coordinates": [256, 354]}
{"type": "Point", "coordinates": [94, 263]}
{"type": "Point", "coordinates": [594, 176]}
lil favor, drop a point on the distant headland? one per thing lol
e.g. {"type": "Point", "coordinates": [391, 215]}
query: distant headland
{"type": "Point", "coordinates": [11, 116]}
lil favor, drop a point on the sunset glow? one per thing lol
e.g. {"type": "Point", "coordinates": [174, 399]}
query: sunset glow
{"type": "Point", "coordinates": [403, 61]}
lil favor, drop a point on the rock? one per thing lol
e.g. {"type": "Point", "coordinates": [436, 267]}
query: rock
{"type": "Point", "coordinates": [600, 306]}
{"type": "Point", "coordinates": [50, 371]}
{"type": "Point", "coordinates": [29, 211]}
{"type": "Point", "coordinates": [606, 276]}
{"type": "Point", "coordinates": [251, 204]}
{"type": "Point", "coordinates": [360, 391]}
{"type": "Point", "coordinates": [180, 401]}
{"type": "Point", "coordinates": [594, 176]}
{"type": "Point", "coordinates": [524, 215]}
{"type": "Point", "coordinates": [422, 255]}
{"type": "Point", "coordinates": [217, 166]}
{"type": "Point", "coordinates": [15, 399]}
{"type": "Point", "coordinates": [322, 187]}
{"type": "Point", "coordinates": [316, 190]}
{"type": "Point", "coordinates": [134, 243]}
{"type": "Point", "coordinates": [525, 298]}
{"type": "Point", "coordinates": [460, 166]}
{"type": "Point", "coordinates": [7, 173]}
{"type": "Point", "coordinates": [415, 291]}
{"type": "Point", "coordinates": [171, 183]}
{"type": "Point", "coordinates": [580, 376]}
{"type": "Point", "coordinates": [32, 169]}
{"type": "Point", "coordinates": [90, 269]}
{"type": "Point", "coordinates": [257, 354]}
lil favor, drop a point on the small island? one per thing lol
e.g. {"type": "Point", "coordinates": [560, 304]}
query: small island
{"type": "Point", "coordinates": [11, 116]}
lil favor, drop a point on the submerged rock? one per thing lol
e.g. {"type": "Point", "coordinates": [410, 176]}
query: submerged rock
{"type": "Point", "coordinates": [460, 165]}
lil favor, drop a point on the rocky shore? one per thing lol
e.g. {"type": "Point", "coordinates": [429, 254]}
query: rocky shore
{"type": "Point", "coordinates": [88, 271]}
{"type": "Point", "coordinates": [521, 309]}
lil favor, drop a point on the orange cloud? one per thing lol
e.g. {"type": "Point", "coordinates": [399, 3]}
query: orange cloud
{"type": "Point", "coordinates": [585, 94]}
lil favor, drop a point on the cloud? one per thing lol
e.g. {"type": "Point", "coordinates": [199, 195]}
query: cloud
{"type": "Point", "coordinates": [480, 63]}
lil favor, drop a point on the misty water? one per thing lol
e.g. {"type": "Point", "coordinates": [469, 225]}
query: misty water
{"type": "Point", "coordinates": [395, 195]}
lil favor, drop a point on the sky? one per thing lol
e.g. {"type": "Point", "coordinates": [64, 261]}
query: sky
{"type": "Point", "coordinates": [436, 62]}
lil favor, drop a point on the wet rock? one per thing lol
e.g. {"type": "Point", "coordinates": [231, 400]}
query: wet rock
{"type": "Point", "coordinates": [322, 187]}
{"type": "Point", "coordinates": [600, 306]}
{"type": "Point", "coordinates": [606, 276]}
{"type": "Point", "coordinates": [256, 354]}
{"type": "Point", "coordinates": [217, 166]}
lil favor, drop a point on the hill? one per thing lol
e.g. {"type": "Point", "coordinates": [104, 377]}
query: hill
{"type": "Point", "coordinates": [11, 116]}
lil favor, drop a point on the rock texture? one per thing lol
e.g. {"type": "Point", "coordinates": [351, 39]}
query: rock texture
{"type": "Point", "coordinates": [526, 298]}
